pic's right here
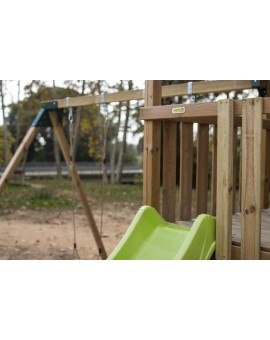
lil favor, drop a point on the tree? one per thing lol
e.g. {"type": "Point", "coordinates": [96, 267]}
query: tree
{"type": "Point", "coordinates": [5, 150]}
{"type": "Point", "coordinates": [123, 145]}
{"type": "Point", "coordinates": [5, 132]}
{"type": "Point", "coordinates": [57, 155]}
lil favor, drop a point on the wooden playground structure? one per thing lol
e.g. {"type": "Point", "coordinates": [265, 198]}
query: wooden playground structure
{"type": "Point", "coordinates": [240, 159]}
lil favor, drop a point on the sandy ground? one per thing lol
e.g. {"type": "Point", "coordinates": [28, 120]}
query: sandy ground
{"type": "Point", "coordinates": [43, 235]}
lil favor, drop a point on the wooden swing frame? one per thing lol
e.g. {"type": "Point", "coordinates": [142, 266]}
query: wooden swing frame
{"type": "Point", "coordinates": [155, 119]}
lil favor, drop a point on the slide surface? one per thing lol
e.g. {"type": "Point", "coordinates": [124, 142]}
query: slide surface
{"type": "Point", "coordinates": [150, 237]}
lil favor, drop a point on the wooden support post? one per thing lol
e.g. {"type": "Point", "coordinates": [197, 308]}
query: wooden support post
{"type": "Point", "coordinates": [214, 173]}
{"type": "Point", "coordinates": [240, 173]}
{"type": "Point", "coordinates": [152, 145]}
{"type": "Point", "coordinates": [22, 149]}
{"type": "Point", "coordinates": [202, 169]}
{"type": "Point", "coordinates": [65, 150]}
{"type": "Point", "coordinates": [169, 171]}
{"type": "Point", "coordinates": [235, 145]}
{"type": "Point", "coordinates": [186, 167]}
{"type": "Point", "coordinates": [263, 167]}
{"type": "Point", "coordinates": [224, 180]}
{"type": "Point", "coordinates": [251, 178]}
{"type": "Point", "coordinates": [267, 171]}
{"type": "Point", "coordinates": [266, 159]}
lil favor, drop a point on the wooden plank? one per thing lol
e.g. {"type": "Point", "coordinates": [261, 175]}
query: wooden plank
{"type": "Point", "coordinates": [266, 156]}
{"type": "Point", "coordinates": [65, 150]}
{"type": "Point", "coordinates": [193, 111]}
{"type": "Point", "coordinates": [235, 147]}
{"type": "Point", "coordinates": [121, 96]}
{"type": "Point", "coordinates": [202, 87]}
{"type": "Point", "coordinates": [224, 179]}
{"type": "Point", "coordinates": [263, 166]}
{"type": "Point", "coordinates": [169, 171]}
{"type": "Point", "coordinates": [240, 172]}
{"type": "Point", "coordinates": [188, 111]}
{"type": "Point", "coordinates": [266, 124]}
{"type": "Point", "coordinates": [18, 156]}
{"type": "Point", "coordinates": [267, 171]}
{"type": "Point", "coordinates": [186, 167]}
{"type": "Point", "coordinates": [202, 169]}
{"type": "Point", "coordinates": [214, 173]}
{"type": "Point", "coordinates": [236, 231]}
{"type": "Point", "coordinates": [238, 122]}
{"type": "Point", "coordinates": [236, 253]}
{"type": "Point", "coordinates": [251, 178]}
{"type": "Point", "coordinates": [152, 146]}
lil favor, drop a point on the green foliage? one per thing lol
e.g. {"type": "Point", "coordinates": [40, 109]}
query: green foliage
{"type": "Point", "coordinates": [91, 130]}
{"type": "Point", "coordinates": [10, 141]}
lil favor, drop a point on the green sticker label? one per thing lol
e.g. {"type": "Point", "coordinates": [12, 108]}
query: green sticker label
{"type": "Point", "coordinates": [178, 110]}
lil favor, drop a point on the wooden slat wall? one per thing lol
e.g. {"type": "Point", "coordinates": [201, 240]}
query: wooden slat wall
{"type": "Point", "coordinates": [235, 145]}
{"type": "Point", "coordinates": [240, 173]}
{"type": "Point", "coordinates": [194, 112]}
{"type": "Point", "coordinates": [186, 167]}
{"type": "Point", "coordinates": [202, 169]}
{"type": "Point", "coordinates": [169, 171]}
{"type": "Point", "coordinates": [224, 179]}
{"type": "Point", "coordinates": [251, 178]}
{"type": "Point", "coordinates": [214, 173]}
{"type": "Point", "coordinates": [267, 171]}
{"type": "Point", "coordinates": [266, 156]}
{"type": "Point", "coordinates": [152, 146]}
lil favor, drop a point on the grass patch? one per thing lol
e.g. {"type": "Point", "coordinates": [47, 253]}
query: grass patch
{"type": "Point", "coordinates": [55, 194]}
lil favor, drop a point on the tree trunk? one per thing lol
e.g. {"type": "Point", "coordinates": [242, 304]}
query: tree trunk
{"type": "Point", "coordinates": [115, 146]}
{"type": "Point", "coordinates": [77, 125]}
{"type": "Point", "coordinates": [4, 123]}
{"type": "Point", "coordinates": [57, 155]}
{"type": "Point", "coordinates": [122, 148]}
{"type": "Point", "coordinates": [124, 143]}
{"type": "Point", "coordinates": [103, 142]}
{"type": "Point", "coordinates": [18, 123]}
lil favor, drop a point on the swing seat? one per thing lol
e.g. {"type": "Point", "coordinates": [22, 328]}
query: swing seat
{"type": "Point", "coordinates": [150, 237]}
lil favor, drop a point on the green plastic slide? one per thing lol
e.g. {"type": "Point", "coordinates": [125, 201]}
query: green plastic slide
{"type": "Point", "coordinates": [150, 237]}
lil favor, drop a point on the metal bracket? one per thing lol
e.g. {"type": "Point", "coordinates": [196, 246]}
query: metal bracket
{"type": "Point", "coordinates": [102, 98]}
{"type": "Point", "coordinates": [190, 88]}
{"type": "Point", "coordinates": [42, 119]}
{"type": "Point", "coordinates": [50, 105]}
{"type": "Point", "coordinates": [257, 84]}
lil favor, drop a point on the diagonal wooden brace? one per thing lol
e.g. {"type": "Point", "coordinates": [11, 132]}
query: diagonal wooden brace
{"type": "Point", "coordinates": [22, 149]}
{"type": "Point", "coordinates": [65, 150]}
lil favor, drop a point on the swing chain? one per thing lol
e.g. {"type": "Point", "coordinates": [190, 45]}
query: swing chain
{"type": "Point", "coordinates": [71, 136]}
{"type": "Point", "coordinates": [70, 111]}
{"type": "Point", "coordinates": [104, 111]}
{"type": "Point", "coordinates": [104, 106]}
{"type": "Point", "coordinates": [70, 115]}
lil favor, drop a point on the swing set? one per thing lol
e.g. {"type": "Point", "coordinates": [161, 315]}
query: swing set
{"type": "Point", "coordinates": [156, 232]}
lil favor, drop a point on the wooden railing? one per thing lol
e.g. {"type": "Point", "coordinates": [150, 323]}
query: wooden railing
{"type": "Point", "coordinates": [230, 122]}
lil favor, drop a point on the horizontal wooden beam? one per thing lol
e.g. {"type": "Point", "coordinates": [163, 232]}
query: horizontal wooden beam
{"type": "Point", "coordinates": [121, 96]}
{"type": "Point", "coordinates": [181, 112]}
{"type": "Point", "coordinates": [201, 87]}
{"type": "Point", "coordinates": [209, 86]}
